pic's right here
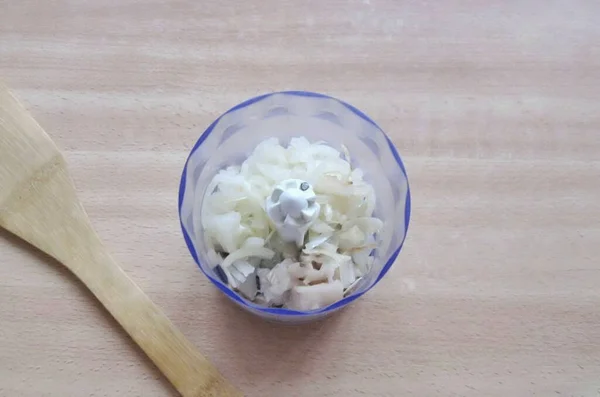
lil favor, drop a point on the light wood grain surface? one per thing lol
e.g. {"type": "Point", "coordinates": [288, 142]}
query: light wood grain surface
{"type": "Point", "coordinates": [495, 107]}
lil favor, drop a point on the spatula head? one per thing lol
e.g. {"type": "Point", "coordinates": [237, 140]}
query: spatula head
{"type": "Point", "coordinates": [25, 148]}
{"type": "Point", "coordinates": [37, 196]}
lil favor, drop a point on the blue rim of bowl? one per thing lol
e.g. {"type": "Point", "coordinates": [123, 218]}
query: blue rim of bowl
{"type": "Point", "coordinates": [280, 311]}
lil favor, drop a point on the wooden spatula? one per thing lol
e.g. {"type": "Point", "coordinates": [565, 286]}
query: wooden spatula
{"type": "Point", "coordinates": [38, 203]}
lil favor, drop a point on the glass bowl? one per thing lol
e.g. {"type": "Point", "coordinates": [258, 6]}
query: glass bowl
{"type": "Point", "coordinates": [235, 134]}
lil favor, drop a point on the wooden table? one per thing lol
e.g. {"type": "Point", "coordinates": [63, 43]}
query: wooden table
{"type": "Point", "coordinates": [495, 107]}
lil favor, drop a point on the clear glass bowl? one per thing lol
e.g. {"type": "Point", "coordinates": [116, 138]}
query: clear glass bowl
{"type": "Point", "coordinates": [235, 134]}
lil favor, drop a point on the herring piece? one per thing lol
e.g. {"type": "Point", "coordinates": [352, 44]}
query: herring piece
{"type": "Point", "coordinates": [279, 277]}
{"type": "Point", "coordinates": [244, 267]}
{"type": "Point", "coordinates": [325, 252]}
{"type": "Point", "coordinates": [275, 283]}
{"type": "Point", "coordinates": [260, 300]}
{"type": "Point", "coordinates": [325, 274]}
{"type": "Point", "coordinates": [298, 270]}
{"type": "Point", "coordinates": [311, 297]}
{"type": "Point", "coordinates": [234, 277]}
{"type": "Point", "coordinates": [263, 282]}
{"type": "Point", "coordinates": [254, 261]}
{"type": "Point", "coordinates": [239, 272]}
{"type": "Point", "coordinates": [249, 288]}
{"type": "Point", "coordinates": [219, 272]}
{"type": "Point", "coordinates": [293, 208]}
{"type": "Point", "coordinates": [314, 273]}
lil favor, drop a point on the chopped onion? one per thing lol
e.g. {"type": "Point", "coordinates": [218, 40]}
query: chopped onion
{"type": "Point", "coordinates": [312, 297]}
{"type": "Point", "coordinates": [361, 261]}
{"type": "Point", "coordinates": [279, 277]}
{"type": "Point", "coordinates": [245, 253]}
{"type": "Point", "coordinates": [352, 237]}
{"type": "Point", "coordinates": [315, 242]}
{"type": "Point", "coordinates": [227, 229]}
{"type": "Point", "coordinates": [240, 236]}
{"type": "Point", "coordinates": [254, 242]}
{"type": "Point", "coordinates": [367, 225]}
{"type": "Point", "coordinates": [347, 273]}
{"type": "Point", "coordinates": [321, 227]}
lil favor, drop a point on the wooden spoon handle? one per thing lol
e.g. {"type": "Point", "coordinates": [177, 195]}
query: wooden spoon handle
{"type": "Point", "coordinates": [53, 220]}
{"type": "Point", "coordinates": [190, 372]}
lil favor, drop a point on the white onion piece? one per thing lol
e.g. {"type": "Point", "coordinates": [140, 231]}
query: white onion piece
{"type": "Point", "coordinates": [276, 282]}
{"type": "Point", "coordinates": [347, 273]}
{"type": "Point", "coordinates": [361, 261]}
{"type": "Point", "coordinates": [325, 249]}
{"type": "Point", "coordinates": [327, 212]}
{"type": "Point", "coordinates": [287, 250]}
{"type": "Point", "coordinates": [369, 226]}
{"type": "Point", "coordinates": [356, 175]}
{"type": "Point", "coordinates": [312, 297]}
{"type": "Point", "coordinates": [321, 227]}
{"type": "Point", "coordinates": [323, 152]}
{"type": "Point", "coordinates": [315, 242]}
{"type": "Point", "coordinates": [242, 253]}
{"type": "Point", "coordinates": [254, 242]}
{"type": "Point", "coordinates": [370, 203]}
{"type": "Point", "coordinates": [226, 229]}
{"type": "Point", "coordinates": [352, 237]}
{"type": "Point", "coordinates": [346, 153]}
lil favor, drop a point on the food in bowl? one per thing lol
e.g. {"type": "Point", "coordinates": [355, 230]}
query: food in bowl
{"type": "Point", "coordinates": [292, 226]}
